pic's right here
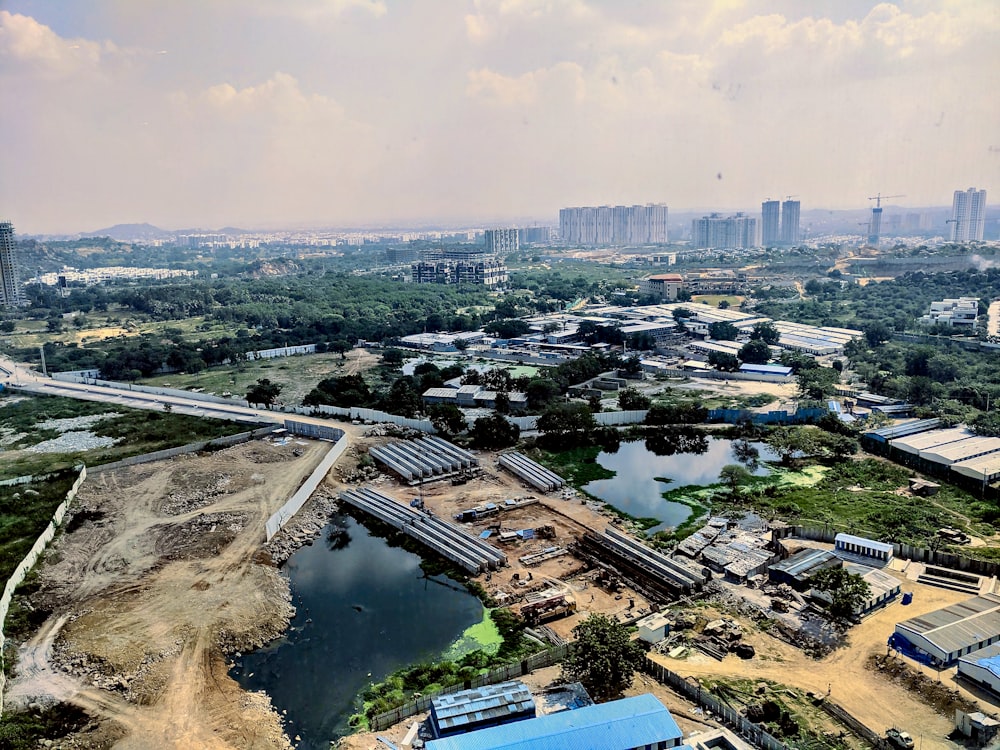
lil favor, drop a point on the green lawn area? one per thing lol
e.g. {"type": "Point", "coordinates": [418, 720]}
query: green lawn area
{"type": "Point", "coordinates": [25, 511]}
{"type": "Point", "coordinates": [734, 300]}
{"type": "Point", "coordinates": [136, 430]}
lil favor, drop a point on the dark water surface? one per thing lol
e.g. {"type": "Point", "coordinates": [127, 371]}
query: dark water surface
{"type": "Point", "coordinates": [364, 610]}
{"type": "Point", "coordinates": [635, 489]}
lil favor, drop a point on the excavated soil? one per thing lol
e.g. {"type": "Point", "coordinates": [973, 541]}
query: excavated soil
{"type": "Point", "coordinates": [158, 576]}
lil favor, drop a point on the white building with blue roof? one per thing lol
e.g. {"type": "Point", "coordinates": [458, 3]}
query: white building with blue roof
{"type": "Point", "coordinates": [637, 723]}
{"type": "Point", "coordinates": [982, 667]}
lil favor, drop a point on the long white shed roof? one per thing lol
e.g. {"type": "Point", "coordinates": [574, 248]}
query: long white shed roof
{"type": "Point", "coordinates": [962, 450]}
{"type": "Point", "coordinates": [933, 439]}
{"type": "Point", "coordinates": [984, 468]}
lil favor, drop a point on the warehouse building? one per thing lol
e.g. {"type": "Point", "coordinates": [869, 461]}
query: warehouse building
{"type": "Point", "coordinates": [637, 722]}
{"type": "Point", "coordinates": [487, 706]}
{"type": "Point", "coordinates": [961, 450]}
{"type": "Point", "coordinates": [945, 635]}
{"type": "Point", "coordinates": [800, 567]}
{"type": "Point", "coordinates": [982, 667]}
{"type": "Point", "coordinates": [858, 546]}
{"type": "Point", "coordinates": [882, 589]}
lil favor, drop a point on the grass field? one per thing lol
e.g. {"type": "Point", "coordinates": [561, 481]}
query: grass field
{"type": "Point", "coordinates": [136, 431]}
{"type": "Point", "coordinates": [734, 300]}
{"type": "Point", "coordinates": [99, 327]}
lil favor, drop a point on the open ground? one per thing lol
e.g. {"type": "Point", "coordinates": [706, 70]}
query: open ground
{"type": "Point", "coordinates": [159, 575]}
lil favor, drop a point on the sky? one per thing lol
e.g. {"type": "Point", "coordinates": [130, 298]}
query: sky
{"type": "Point", "coordinates": [378, 113]}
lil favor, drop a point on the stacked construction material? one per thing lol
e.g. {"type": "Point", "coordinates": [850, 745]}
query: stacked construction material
{"type": "Point", "coordinates": [471, 553]}
{"type": "Point", "coordinates": [424, 457]}
{"type": "Point", "coordinates": [534, 474]}
{"type": "Point", "coordinates": [634, 559]}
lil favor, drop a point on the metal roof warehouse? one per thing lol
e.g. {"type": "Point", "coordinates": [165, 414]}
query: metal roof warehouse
{"type": "Point", "coordinates": [949, 633]}
{"type": "Point", "coordinates": [638, 722]}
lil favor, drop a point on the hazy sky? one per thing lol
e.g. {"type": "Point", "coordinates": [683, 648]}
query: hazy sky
{"type": "Point", "coordinates": [378, 112]}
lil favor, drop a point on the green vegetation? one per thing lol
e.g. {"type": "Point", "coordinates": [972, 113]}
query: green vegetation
{"type": "Point", "coordinates": [505, 643]}
{"type": "Point", "coordinates": [604, 657]}
{"type": "Point", "coordinates": [847, 591]}
{"type": "Point", "coordinates": [137, 431]}
{"type": "Point", "coordinates": [578, 466]}
{"type": "Point", "coordinates": [22, 730]}
{"type": "Point", "coordinates": [25, 511]}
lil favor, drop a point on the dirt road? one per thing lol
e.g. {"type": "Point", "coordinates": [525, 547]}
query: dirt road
{"type": "Point", "coordinates": [875, 701]}
{"type": "Point", "coordinates": [156, 579]}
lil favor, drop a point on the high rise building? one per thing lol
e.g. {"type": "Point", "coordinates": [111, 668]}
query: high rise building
{"type": "Point", "coordinates": [501, 241]}
{"type": "Point", "coordinates": [724, 232]}
{"type": "Point", "coordinates": [11, 294]}
{"type": "Point", "coordinates": [790, 233]}
{"type": "Point", "coordinates": [875, 227]}
{"type": "Point", "coordinates": [614, 225]}
{"type": "Point", "coordinates": [769, 214]}
{"type": "Point", "coordinates": [968, 215]}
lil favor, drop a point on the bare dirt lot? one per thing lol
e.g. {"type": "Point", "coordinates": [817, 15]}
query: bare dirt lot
{"type": "Point", "coordinates": [870, 697]}
{"type": "Point", "coordinates": [157, 577]}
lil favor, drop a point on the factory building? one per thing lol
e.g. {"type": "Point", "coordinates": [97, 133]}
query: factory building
{"type": "Point", "coordinates": [626, 724]}
{"type": "Point", "coordinates": [478, 708]}
{"type": "Point", "coordinates": [857, 546]}
{"type": "Point", "coordinates": [945, 635]}
{"type": "Point", "coordinates": [797, 569]}
{"type": "Point", "coordinates": [982, 667]}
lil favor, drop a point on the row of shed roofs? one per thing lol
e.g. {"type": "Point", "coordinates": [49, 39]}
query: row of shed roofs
{"type": "Point", "coordinates": [959, 448]}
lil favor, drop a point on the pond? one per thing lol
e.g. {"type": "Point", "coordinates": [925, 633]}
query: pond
{"type": "Point", "coordinates": [643, 472]}
{"type": "Point", "coordinates": [364, 610]}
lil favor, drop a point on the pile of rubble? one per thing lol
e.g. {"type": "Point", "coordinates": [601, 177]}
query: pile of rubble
{"type": "Point", "coordinates": [196, 497]}
{"type": "Point", "coordinates": [388, 429]}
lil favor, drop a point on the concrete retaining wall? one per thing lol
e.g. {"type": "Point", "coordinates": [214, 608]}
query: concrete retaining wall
{"type": "Point", "coordinates": [295, 502]}
{"type": "Point", "coordinates": [25, 566]}
{"type": "Point", "coordinates": [208, 397]}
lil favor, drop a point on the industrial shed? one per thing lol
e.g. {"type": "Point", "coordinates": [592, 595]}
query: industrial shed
{"type": "Point", "coordinates": [929, 440]}
{"type": "Point", "coordinates": [982, 667]}
{"type": "Point", "coordinates": [962, 450]}
{"type": "Point", "coordinates": [478, 708]}
{"type": "Point", "coordinates": [985, 469]}
{"type": "Point", "coordinates": [637, 722]}
{"type": "Point", "coordinates": [947, 634]}
{"type": "Point", "coordinates": [883, 588]}
{"type": "Point", "coordinates": [798, 568]}
{"type": "Point", "coordinates": [893, 432]}
{"type": "Point", "coordinates": [859, 546]}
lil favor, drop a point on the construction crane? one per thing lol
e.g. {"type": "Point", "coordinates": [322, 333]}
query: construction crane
{"type": "Point", "coordinates": [875, 228]}
{"type": "Point", "coordinates": [789, 197]}
{"type": "Point", "coordinates": [878, 198]}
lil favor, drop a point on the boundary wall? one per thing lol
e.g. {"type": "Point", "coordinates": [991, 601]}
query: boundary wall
{"type": "Point", "coordinates": [27, 479]}
{"type": "Point", "coordinates": [294, 504]}
{"type": "Point", "coordinates": [904, 551]}
{"type": "Point", "coordinates": [25, 566]}
{"type": "Point", "coordinates": [215, 444]}
{"type": "Point", "coordinates": [355, 412]}
{"type": "Point", "coordinates": [72, 378]}
{"type": "Point", "coordinates": [542, 659]}
{"type": "Point", "coordinates": [719, 375]}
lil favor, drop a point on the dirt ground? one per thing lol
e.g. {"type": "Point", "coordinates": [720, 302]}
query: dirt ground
{"type": "Point", "coordinates": [874, 700]}
{"type": "Point", "coordinates": [155, 580]}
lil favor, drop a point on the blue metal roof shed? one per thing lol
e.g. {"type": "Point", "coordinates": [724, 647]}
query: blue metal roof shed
{"type": "Point", "coordinates": [638, 722]}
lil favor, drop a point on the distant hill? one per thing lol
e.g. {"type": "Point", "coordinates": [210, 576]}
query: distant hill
{"type": "Point", "coordinates": [128, 232]}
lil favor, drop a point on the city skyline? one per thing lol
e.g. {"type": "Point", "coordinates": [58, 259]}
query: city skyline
{"type": "Point", "coordinates": [368, 113]}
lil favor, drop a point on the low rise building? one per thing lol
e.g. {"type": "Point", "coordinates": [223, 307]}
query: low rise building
{"type": "Point", "coordinates": [487, 706]}
{"type": "Point", "coordinates": [663, 286]}
{"type": "Point", "coordinates": [797, 569]}
{"type": "Point", "coordinates": [882, 589]}
{"type": "Point", "coordinates": [945, 635]}
{"type": "Point", "coordinates": [961, 313]}
{"type": "Point", "coordinates": [637, 722]}
{"type": "Point", "coordinates": [858, 546]}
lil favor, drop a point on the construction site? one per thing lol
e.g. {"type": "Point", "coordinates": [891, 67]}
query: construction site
{"type": "Point", "coordinates": [163, 572]}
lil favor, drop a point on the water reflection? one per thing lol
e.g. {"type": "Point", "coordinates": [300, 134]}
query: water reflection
{"type": "Point", "coordinates": [364, 610]}
{"type": "Point", "coordinates": [676, 458]}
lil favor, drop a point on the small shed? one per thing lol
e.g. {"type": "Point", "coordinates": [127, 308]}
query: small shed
{"type": "Point", "coordinates": [653, 628]}
{"type": "Point", "coordinates": [488, 706]}
{"type": "Point", "coordinates": [859, 546]}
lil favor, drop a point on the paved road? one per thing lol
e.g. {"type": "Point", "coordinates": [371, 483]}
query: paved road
{"type": "Point", "coordinates": [22, 376]}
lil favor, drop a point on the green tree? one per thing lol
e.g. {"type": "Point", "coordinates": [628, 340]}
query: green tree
{"type": "Point", "coordinates": [392, 357]}
{"type": "Point", "coordinates": [877, 333]}
{"type": "Point", "coordinates": [630, 399]}
{"type": "Point", "coordinates": [755, 352]}
{"type": "Point", "coordinates": [493, 432]}
{"type": "Point", "coordinates": [817, 382]}
{"type": "Point", "coordinates": [723, 331]}
{"type": "Point", "coordinates": [263, 392]}
{"type": "Point", "coordinates": [447, 419]}
{"type": "Point", "coordinates": [724, 361]}
{"type": "Point", "coordinates": [604, 657]}
{"type": "Point", "coordinates": [765, 331]}
{"type": "Point", "coordinates": [847, 592]}
{"type": "Point", "coordinates": [734, 477]}
{"type": "Point", "coordinates": [631, 367]}
{"type": "Point", "coordinates": [562, 419]}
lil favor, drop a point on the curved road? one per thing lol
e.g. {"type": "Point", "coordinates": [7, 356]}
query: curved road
{"type": "Point", "coordinates": [23, 377]}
